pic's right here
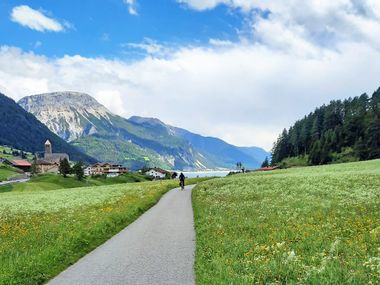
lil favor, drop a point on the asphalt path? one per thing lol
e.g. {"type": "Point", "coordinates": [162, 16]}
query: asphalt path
{"type": "Point", "coordinates": [158, 248]}
{"type": "Point", "coordinates": [14, 181]}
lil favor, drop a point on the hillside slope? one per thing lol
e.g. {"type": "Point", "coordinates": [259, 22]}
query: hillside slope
{"type": "Point", "coordinates": [341, 131]}
{"type": "Point", "coordinates": [22, 130]}
{"type": "Point", "coordinates": [134, 142]}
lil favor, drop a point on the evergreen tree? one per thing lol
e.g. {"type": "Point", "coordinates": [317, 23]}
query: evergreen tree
{"type": "Point", "coordinates": [361, 149]}
{"type": "Point", "coordinates": [78, 170]}
{"type": "Point", "coordinates": [23, 155]}
{"type": "Point", "coordinates": [373, 142]}
{"type": "Point", "coordinates": [265, 162]}
{"type": "Point", "coordinates": [34, 169]}
{"type": "Point", "coordinates": [64, 167]}
{"type": "Point", "coordinates": [333, 128]}
{"type": "Point", "coordinates": [315, 153]}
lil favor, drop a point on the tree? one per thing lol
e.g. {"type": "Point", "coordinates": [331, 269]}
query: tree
{"type": "Point", "coordinates": [78, 170]}
{"type": "Point", "coordinates": [315, 153]}
{"type": "Point", "coordinates": [64, 167]}
{"type": "Point", "coordinates": [373, 141]}
{"type": "Point", "coordinates": [331, 129]}
{"type": "Point", "coordinates": [361, 149]}
{"type": "Point", "coordinates": [34, 169]}
{"type": "Point", "coordinates": [23, 155]}
{"type": "Point", "coordinates": [265, 162]}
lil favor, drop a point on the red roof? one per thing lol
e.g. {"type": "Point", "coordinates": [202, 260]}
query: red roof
{"type": "Point", "coordinates": [269, 168]}
{"type": "Point", "coordinates": [21, 163]}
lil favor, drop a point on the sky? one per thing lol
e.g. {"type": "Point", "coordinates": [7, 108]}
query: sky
{"type": "Point", "coordinates": [240, 70]}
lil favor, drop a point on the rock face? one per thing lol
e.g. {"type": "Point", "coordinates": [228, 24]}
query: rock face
{"type": "Point", "coordinates": [70, 115]}
{"type": "Point", "coordinates": [22, 130]}
{"type": "Point", "coordinates": [136, 142]}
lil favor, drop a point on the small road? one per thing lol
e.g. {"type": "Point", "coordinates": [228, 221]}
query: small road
{"type": "Point", "coordinates": [14, 181]}
{"type": "Point", "coordinates": [158, 248]}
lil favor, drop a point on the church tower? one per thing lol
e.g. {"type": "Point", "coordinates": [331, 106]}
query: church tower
{"type": "Point", "coordinates": [48, 148]}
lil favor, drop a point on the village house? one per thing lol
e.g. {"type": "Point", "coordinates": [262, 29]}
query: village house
{"type": "Point", "coordinates": [269, 168]}
{"type": "Point", "coordinates": [47, 167]}
{"type": "Point", "coordinates": [157, 173]}
{"type": "Point", "coordinates": [108, 169]}
{"type": "Point", "coordinates": [21, 164]}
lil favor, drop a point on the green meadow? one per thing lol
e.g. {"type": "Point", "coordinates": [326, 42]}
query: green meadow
{"type": "Point", "coordinates": [53, 182]}
{"type": "Point", "coordinates": [312, 225]}
{"type": "Point", "coordinates": [43, 232]}
{"type": "Point", "coordinates": [7, 172]}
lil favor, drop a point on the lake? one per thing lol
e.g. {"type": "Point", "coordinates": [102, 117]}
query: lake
{"type": "Point", "coordinates": [192, 174]}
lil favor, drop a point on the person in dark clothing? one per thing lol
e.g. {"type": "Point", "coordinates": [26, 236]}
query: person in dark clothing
{"type": "Point", "coordinates": [182, 181]}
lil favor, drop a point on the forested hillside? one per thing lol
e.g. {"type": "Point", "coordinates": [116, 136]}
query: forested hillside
{"type": "Point", "coordinates": [22, 130]}
{"type": "Point", "coordinates": [340, 131]}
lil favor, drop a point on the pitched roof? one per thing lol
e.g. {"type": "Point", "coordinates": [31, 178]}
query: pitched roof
{"type": "Point", "coordinates": [158, 170]}
{"type": "Point", "coordinates": [269, 168]}
{"type": "Point", "coordinates": [20, 162]}
{"type": "Point", "coordinates": [45, 162]}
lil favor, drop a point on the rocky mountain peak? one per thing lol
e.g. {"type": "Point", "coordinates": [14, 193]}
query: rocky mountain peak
{"type": "Point", "coordinates": [62, 100]}
{"type": "Point", "coordinates": [68, 114]}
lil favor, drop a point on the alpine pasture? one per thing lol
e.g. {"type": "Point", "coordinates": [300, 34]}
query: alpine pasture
{"type": "Point", "coordinates": [314, 225]}
{"type": "Point", "coordinates": [43, 232]}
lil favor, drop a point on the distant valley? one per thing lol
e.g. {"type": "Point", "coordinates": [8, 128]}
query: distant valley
{"type": "Point", "coordinates": [135, 142]}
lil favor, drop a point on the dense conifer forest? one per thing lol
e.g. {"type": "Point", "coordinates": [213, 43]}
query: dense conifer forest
{"type": "Point", "coordinates": [341, 131]}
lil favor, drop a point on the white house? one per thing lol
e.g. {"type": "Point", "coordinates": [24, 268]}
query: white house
{"type": "Point", "coordinates": [111, 170]}
{"type": "Point", "coordinates": [156, 173]}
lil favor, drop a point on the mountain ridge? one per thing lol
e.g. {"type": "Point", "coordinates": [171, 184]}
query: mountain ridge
{"type": "Point", "coordinates": [20, 129]}
{"type": "Point", "coordinates": [135, 142]}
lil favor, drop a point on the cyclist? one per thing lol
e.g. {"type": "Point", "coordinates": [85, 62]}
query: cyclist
{"type": "Point", "coordinates": [182, 181]}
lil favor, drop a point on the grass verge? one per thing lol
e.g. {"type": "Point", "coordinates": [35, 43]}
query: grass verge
{"type": "Point", "coordinates": [314, 225]}
{"type": "Point", "coordinates": [43, 232]}
{"type": "Point", "coordinates": [7, 172]}
{"type": "Point", "coordinates": [54, 182]}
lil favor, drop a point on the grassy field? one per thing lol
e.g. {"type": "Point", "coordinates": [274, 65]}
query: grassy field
{"type": "Point", "coordinates": [7, 172]}
{"type": "Point", "coordinates": [8, 155]}
{"type": "Point", "coordinates": [314, 225]}
{"type": "Point", "coordinates": [54, 182]}
{"type": "Point", "coordinates": [43, 232]}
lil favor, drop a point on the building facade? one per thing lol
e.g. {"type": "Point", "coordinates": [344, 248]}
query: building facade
{"type": "Point", "coordinates": [156, 173]}
{"type": "Point", "coordinates": [52, 157]}
{"type": "Point", "coordinates": [108, 169]}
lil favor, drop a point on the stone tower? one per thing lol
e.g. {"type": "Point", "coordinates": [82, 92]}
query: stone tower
{"type": "Point", "coordinates": [48, 148]}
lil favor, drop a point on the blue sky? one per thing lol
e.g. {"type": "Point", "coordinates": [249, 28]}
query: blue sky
{"type": "Point", "coordinates": [101, 27]}
{"type": "Point", "coordinates": [240, 70]}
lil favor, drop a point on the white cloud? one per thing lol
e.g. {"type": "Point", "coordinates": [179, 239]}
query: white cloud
{"type": "Point", "coordinates": [36, 20]}
{"type": "Point", "coordinates": [220, 43]}
{"type": "Point", "coordinates": [317, 22]}
{"type": "Point", "coordinates": [148, 46]}
{"type": "Point", "coordinates": [37, 44]}
{"type": "Point", "coordinates": [105, 37]}
{"type": "Point", "coordinates": [132, 7]}
{"type": "Point", "coordinates": [303, 54]}
{"type": "Point", "coordinates": [245, 94]}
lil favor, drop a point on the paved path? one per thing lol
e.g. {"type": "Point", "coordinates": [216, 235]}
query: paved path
{"type": "Point", "coordinates": [14, 181]}
{"type": "Point", "coordinates": [158, 248]}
